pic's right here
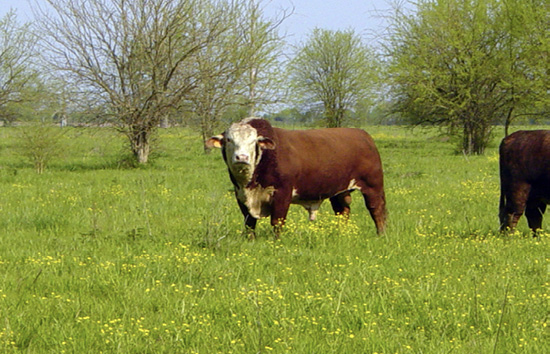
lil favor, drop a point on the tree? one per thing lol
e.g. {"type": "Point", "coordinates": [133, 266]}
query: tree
{"type": "Point", "coordinates": [17, 49]}
{"type": "Point", "coordinates": [239, 67]}
{"type": "Point", "coordinates": [263, 50]}
{"type": "Point", "coordinates": [132, 57]}
{"type": "Point", "coordinates": [217, 69]}
{"type": "Point", "coordinates": [335, 69]}
{"type": "Point", "coordinates": [528, 45]}
{"type": "Point", "coordinates": [460, 64]}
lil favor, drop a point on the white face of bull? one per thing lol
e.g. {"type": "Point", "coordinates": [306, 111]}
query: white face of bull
{"type": "Point", "coordinates": [243, 149]}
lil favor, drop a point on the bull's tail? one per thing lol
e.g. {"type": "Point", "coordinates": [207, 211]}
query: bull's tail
{"type": "Point", "coordinates": [502, 214]}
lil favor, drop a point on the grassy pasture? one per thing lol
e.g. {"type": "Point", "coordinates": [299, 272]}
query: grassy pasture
{"type": "Point", "coordinates": [100, 259]}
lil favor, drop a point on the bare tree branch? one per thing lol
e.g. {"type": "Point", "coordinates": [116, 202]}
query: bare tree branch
{"type": "Point", "coordinates": [131, 56]}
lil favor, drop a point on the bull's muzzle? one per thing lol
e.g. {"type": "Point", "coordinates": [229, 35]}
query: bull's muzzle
{"type": "Point", "coordinates": [241, 159]}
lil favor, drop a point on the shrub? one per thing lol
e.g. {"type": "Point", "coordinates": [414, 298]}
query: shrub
{"type": "Point", "coordinates": [41, 144]}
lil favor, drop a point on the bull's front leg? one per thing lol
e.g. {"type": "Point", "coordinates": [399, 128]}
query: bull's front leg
{"type": "Point", "coordinates": [249, 221]}
{"type": "Point", "coordinates": [279, 210]}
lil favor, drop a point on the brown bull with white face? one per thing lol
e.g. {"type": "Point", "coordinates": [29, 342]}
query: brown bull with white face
{"type": "Point", "coordinates": [524, 178]}
{"type": "Point", "coordinates": [272, 168]}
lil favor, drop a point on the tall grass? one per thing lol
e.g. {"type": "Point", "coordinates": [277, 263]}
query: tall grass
{"type": "Point", "coordinates": [96, 258]}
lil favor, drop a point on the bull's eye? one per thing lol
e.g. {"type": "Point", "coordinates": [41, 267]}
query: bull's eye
{"type": "Point", "coordinates": [228, 140]}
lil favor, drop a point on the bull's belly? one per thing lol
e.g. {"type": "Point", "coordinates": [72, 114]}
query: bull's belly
{"type": "Point", "coordinates": [258, 202]}
{"type": "Point", "coordinates": [312, 206]}
{"type": "Point", "coordinates": [258, 199]}
{"type": "Point", "coordinates": [541, 192]}
{"type": "Point", "coordinates": [308, 194]}
{"type": "Point", "coordinates": [312, 201]}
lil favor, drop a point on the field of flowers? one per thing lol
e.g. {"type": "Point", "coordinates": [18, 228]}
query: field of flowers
{"type": "Point", "coordinates": [98, 258]}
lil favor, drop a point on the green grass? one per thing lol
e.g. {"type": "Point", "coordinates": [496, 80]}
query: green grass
{"type": "Point", "coordinates": [95, 258]}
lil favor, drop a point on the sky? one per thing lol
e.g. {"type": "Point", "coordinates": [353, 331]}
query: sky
{"type": "Point", "coordinates": [363, 16]}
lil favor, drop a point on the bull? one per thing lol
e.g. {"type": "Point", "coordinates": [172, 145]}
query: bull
{"type": "Point", "coordinates": [272, 168]}
{"type": "Point", "coordinates": [524, 178]}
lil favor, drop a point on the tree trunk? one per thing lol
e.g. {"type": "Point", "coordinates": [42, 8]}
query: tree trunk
{"type": "Point", "coordinates": [142, 154]}
{"type": "Point", "coordinates": [331, 116]}
{"type": "Point", "coordinates": [205, 135]}
{"type": "Point", "coordinates": [508, 121]}
{"type": "Point", "coordinates": [467, 139]}
{"type": "Point", "coordinates": [165, 122]}
{"type": "Point", "coordinates": [141, 146]}
{"type": "Point", "coordinates": [476, 136]}
{"type": "Point", "coordinates": [208, 121]}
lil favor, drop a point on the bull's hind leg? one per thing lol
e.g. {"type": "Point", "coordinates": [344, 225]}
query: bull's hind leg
{"type": "Point", "coordinates": [516, 196]}
{"type": "Point", "coordinates": [375, 201]}
{"type": "Point", "coordinates": [534, 212]}
{"type": "Point", "coordinates": [341, 204]}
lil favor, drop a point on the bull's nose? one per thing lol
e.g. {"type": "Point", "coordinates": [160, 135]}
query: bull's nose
{"type": "Point", "coordinates": [242, 158]}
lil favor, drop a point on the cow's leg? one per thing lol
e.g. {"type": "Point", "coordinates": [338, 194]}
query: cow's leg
{"type": "Point", "coordinates": [375, 201]}
{"type": "Point", "coordinates": [533, 212]}
{"type": "Point", "coordinates": [279, 210]}
{"type": "Point", "coordinates": [341, 204]}
{"type": "Point", "coordinates": [516, 196]}
{"type": "Point", "coordinates": [249, 221]}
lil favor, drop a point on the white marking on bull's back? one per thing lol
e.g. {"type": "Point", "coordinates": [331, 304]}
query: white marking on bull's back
{"type": "Point", "coordinates": [256, 199]}
{"type": "Point", "coordinates": [353, 185]}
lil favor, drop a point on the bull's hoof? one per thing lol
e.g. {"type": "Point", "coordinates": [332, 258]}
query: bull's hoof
{"type": "Point", "coordinates": [250, 234]}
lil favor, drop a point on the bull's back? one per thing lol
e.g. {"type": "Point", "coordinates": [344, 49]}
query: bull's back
{"type": "Point", "coordinates": [525, 155]}
{"type": "Point", "coordinates": [332, 147]}
{"type": "Point", "coordinates": [323, 162]}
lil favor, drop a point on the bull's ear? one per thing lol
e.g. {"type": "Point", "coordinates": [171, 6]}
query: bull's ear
{"type": "Point", "coordinates": [266, 143]}
{"type": "Point", "coordinates": [214, 142]}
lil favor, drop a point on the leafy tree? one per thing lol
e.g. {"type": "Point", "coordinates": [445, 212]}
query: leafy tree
{"type": "Point", "coordinates": [463, 65]}
{"type": "Point", "coordinates": [17, 49]}
{"type": "Point", "coordinates": [131, 57]}
{"type": "Point", "coordinates": [528, 44]}
{"type": "Point", "coordinates": [333, 69]}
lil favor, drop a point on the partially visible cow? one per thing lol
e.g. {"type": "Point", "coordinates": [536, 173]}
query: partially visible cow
{"type": "Point", "coordinates": [272, 168]}
{"type": "Point", "coordinates": [524, 178]}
